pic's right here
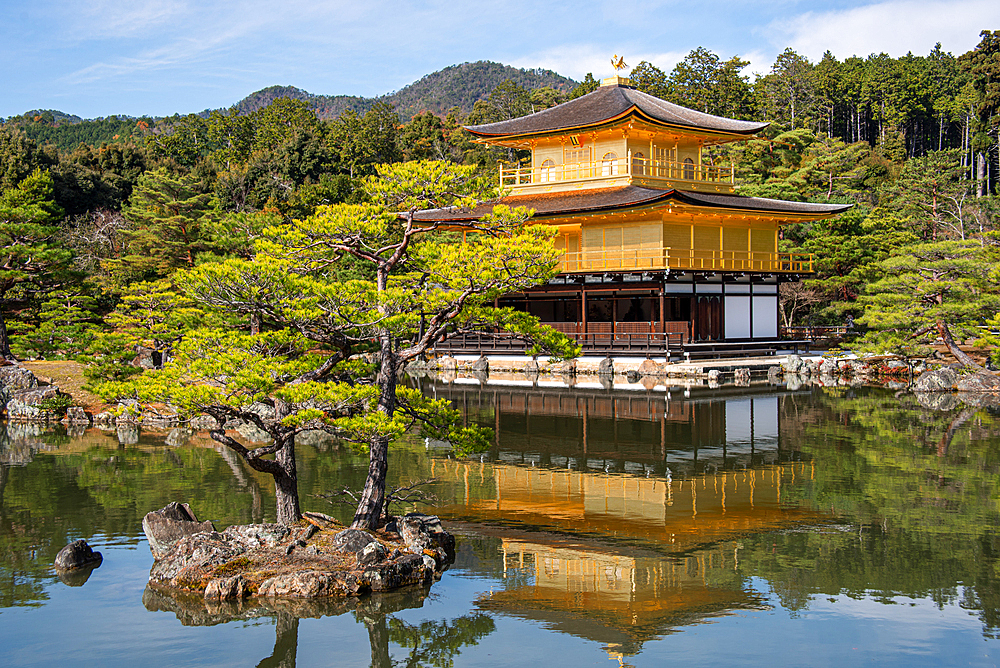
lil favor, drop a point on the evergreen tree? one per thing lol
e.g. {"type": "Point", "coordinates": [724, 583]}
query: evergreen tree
{"type": "Point", "coordinates": [650, 79]}
{"type": "Point", "coordinates": [304, 364]}
{"type": "Point", "coordinates": [588, 85]}
{"type": "Point", "coordinates": [67, 318]}
{"type": "Point", "coordinates": [166, 214]}
{"type": "Point", "coordinates": [983, 66]}
{"type": "Point", "coordinates": [31, 257]}
{"type": "Point", "coordinates": [790, 89]}
{"type": "Point", "coordinates": [943, 287]}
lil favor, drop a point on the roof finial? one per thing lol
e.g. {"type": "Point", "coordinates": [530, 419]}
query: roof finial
{"type": "Point", "coordinates": [617, 62]}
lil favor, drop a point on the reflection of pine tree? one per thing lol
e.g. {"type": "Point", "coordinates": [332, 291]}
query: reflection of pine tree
{"type": "Point", "coordinates": [286, 642]}
{"type": "Point", "coordinates": [437, 643]}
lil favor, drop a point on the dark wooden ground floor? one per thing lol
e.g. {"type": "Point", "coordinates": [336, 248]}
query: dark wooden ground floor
{"type": "Point", "coordinates": [658, 315]}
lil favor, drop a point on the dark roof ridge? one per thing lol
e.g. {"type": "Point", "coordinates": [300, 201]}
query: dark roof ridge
{"type": "Point", "coordinates": [558, 203]}
{"type": "Point", "coordinates": [757, 203]}
{"type": "Point", "coordinates": [606, 104]}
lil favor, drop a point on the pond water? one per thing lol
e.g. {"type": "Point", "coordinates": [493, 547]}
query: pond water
{"type": "Point", "coordinates": [814, 526]}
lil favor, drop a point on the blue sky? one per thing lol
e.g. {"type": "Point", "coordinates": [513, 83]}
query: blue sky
{"type": "Point", "coordinates": [100, 57]}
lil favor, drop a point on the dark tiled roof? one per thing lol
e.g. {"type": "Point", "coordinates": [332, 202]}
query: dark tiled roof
{"type": "Point", "coordinates": [757, 203]}
{"type": "Point", "coordinates": [609, 102]}
{"type": "Point", "coordinates": [609, 199]}
{"type": "Point", "coordinates": [574, 201]}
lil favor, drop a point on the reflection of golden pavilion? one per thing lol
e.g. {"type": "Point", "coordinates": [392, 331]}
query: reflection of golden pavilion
{"type": "Point", "coordinates": [677, 514]}
{"type": "Point", "coordinates": [638, 432]}
{"type": "Point", "coordinates": [616, 558]}
{"type": "Point", "coordinates": [617, 599]}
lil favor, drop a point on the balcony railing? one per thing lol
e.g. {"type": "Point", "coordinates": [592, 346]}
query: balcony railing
{"type": "Point", "coordinates": [621, 259]}
{"type": "Point", "coordinates": [603, 169]}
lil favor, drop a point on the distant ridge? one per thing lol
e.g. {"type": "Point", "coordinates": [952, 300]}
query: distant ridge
{"type": "Point", "coordinates": [455, 86]}
{"type": "Point", "coordinates": [458, 86]}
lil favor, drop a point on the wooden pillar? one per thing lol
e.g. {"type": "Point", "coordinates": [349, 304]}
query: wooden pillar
{"type": "Point", "coordinates": [614, 313]}
{"type": "Point", "coordinates": [694, 319]}
{"type": "Point", "coordinates": [583, 312]}
{"type": "Point", "coordinates": [663, 316]}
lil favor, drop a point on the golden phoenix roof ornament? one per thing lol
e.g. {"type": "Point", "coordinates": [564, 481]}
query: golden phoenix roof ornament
{"type": "Point", "coordinates": [618, 62]}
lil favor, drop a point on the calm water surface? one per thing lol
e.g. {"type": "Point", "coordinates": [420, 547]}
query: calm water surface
{"type": "Point", "coordinates": [815, 526]}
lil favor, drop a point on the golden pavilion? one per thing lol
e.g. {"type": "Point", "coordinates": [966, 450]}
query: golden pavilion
{"type": "Point", "coordinates": [659, 250]}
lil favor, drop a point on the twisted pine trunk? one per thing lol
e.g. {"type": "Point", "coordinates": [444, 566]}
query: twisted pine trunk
{"type": "Point", "coordinates": [281, 468]}
{"type": "Point", "coordinates": [370, 506]}
{"type": "Point", "coordinates": [286, 484]}
{"type": "Point", "coordinates": [5, 341]}
{"type": "Point", "coordinates": [959, 354]}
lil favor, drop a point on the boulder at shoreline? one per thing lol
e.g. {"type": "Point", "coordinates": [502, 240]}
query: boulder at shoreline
{"type": "Point", "coordinates": [302, 561]}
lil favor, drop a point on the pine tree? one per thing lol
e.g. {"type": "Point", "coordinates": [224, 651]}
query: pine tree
{"type": "Point", "coordinates": [167, 214]}
{"type": "Point", "coordinates": [305, 364]}
{"type": "Point", "coordinates": [31, 258]}
{"type": "Point", "coordinates": [943, 287]}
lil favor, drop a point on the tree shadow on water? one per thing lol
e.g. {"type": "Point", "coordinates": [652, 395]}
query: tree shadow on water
{"type": "Point", "coordinates": [431, 643]}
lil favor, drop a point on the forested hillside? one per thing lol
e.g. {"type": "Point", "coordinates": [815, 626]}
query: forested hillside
{"type": "Point", "coordinates": [463, 85]}
{"type": "Point", "coordinates": [101, 220]}
{"type": "Point", "coordinates": [66, 132]}
{"type": "Point", "coordinates": [458, 86]}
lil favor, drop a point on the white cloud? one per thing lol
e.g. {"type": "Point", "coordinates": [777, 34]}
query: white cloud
{"type": "Point", "coordinates": [894, 27]}
{"type": "Point", "coordinates": [121, 18]}
{"type": "Point", "coordinates": [576, 60]}
{"type": "Point", "coordinates": [760, 63]}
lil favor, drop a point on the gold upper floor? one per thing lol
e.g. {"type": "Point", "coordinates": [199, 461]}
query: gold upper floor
{"type": "Point", "coordinates": [631, 153]}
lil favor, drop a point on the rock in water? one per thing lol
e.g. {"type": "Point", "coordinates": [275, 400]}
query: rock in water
{"type": "Point", "coordinates": [939, 380]}
{"type": "Point", "coordinates": [792, 364]}
{"type": "Point", "coordinates": [481, 365]}
{"type": "Point", "coordinates": [77, 415]}
{"type": "Point", "coordinates": [606, 367]}
{"type": "Point", "coordinates": [424, 532]}
{"type": "Point", "coordinates": [226, 588]}
{"type": "Point", "coordinates": [650, 368]}
{"type": "Point", "coordinates": [982, 381]}
{"type": "Point", "coordinates": [77, 555]}
{"type": "Point", "coordinates": [169, 524]}
{"type": "Point", "coordinates": [567, 368]}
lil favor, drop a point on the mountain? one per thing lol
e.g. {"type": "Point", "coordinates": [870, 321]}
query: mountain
{"type": "Point", "coordinates": [51, 116]}
{"type": "Point", "coordinates": [455, 86]}
{"type": "Point", "coordinates": [462, 85]}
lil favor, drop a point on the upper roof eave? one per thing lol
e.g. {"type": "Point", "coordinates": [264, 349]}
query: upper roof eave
{"type": "Point", "coordinates": [554, 205]}
{"type": "Point", "coordinates": [609, 104]}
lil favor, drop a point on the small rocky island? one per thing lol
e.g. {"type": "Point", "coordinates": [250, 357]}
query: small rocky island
{"type": "Point", "coordinates": [317, 558]}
